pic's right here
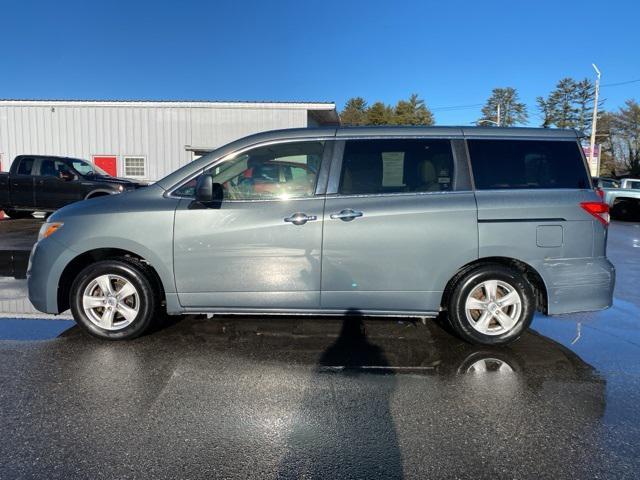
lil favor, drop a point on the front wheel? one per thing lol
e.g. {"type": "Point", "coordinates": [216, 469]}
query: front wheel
{"type": "Point", "coordinates": [115, 299]}
{"type": "Point", "coordinates": [491, 305]}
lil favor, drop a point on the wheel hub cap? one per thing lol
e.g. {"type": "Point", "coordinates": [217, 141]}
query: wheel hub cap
{"type": "Point", "coordinates": [111, 302]}
{"type": "Point", "coordinates": [493, 307]}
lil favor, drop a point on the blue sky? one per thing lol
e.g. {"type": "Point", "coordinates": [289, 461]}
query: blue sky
{"type": "Point", "coordinates": [452, 53]}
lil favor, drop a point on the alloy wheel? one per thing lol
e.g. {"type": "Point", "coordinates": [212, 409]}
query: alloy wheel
{"type": "Point", "coordinates": [493, 307]}
{"type": "Point", "coordinates": [111, 302]}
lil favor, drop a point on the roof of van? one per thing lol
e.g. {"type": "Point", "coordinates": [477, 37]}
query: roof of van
{"type": "Point", "coordinates": [417, 131]}
{"type": "Point", "coordinates": [460, 131]}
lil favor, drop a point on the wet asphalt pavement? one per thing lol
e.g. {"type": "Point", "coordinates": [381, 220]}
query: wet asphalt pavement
{"type": "Point", "coordinates": [326, 398]}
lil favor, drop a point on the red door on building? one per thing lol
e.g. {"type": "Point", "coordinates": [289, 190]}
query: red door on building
{"type": "Point", "coordinates": [108, 163]}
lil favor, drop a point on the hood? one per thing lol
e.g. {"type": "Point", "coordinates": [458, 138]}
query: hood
{"type": "Point", "coordinates": [118, 181]}
{"type": "Point", "coordinates": [127, 201]}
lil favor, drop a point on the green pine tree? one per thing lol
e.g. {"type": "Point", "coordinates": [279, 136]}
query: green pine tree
{"type": "Point", "coordinates": [512, 111]}
{"type": "Point", "coordinates": [354, 112]}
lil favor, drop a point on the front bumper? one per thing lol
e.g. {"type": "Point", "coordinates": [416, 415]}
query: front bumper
{"type": "Point", "coordinates": [578, 284]}
{"type": "Point", "coordinates": [46, 263]}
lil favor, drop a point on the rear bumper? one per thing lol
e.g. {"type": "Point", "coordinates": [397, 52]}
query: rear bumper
{"type": "Point", "coordinates": [578, 284]}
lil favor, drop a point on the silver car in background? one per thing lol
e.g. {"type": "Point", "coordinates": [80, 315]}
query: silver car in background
{"type": "Point", "coordinates": [484, 224]}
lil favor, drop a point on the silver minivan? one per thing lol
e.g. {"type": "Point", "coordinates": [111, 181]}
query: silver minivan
{"type": "Point", "coordinates": [481, 225]}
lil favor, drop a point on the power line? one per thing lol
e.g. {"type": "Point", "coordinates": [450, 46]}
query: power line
{"type": "Point", "coordinates": [457, 107]}
{"type": "Point", "coordinates": [620, 83]}
{"type": "Point", "coordinates": [476, 105]}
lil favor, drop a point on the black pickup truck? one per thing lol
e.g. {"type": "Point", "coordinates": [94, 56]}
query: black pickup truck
{"type": "Point", "coordinates": [46, 183]}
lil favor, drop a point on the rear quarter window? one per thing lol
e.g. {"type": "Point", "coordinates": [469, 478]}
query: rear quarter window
{"type": "Point", "coordinates": [527, 164]}
{"type": "Point", "coordinates": [25, 167]}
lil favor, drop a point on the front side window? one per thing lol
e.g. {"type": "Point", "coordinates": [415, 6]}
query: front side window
{"type": "Point", "coordinates": [396, 166]}
{"type": "Point", "coordinates": [523, 164]}
{"type": "Point", "coordinates": [280, 171]}
{"type": "Point", "coordinates": [633, 184]}
{"type": "Point", "coordinates": [50, 167]}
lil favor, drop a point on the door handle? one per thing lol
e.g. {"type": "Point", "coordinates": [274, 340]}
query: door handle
{"type": "Point", "coordinates": [300, 218]}
{"type": "Point", "coordinates": [346, 215]}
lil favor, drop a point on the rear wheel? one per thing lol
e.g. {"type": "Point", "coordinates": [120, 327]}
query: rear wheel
{"type": "Point", "coordinates": [491, 305]}
{"type": "Point", "coordinates": [17, 214]}
{"type": "Point", "coordinates": [115, 299]}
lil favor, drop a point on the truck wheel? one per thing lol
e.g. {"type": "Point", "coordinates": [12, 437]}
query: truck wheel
{"type": "Point", "coordinates": [17, 214]}
{"type": "Point", "coordinates": [115, 299]}
{"type": "Point", "coordinates": [624, 209]}
{"type": "Point", "coordinates": [491, 305]}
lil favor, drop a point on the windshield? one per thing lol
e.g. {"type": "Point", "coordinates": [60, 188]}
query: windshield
{"type": "Point", "coordinates": [85, 168]}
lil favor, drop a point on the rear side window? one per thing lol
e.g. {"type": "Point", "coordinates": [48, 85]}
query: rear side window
{"type": "Point", "coordinates": [25, 166]}
{"type": "Point", "coordinates": [396, 166]}
{"type": "Point", "coordinates": [609, 184]}
{"type": "Point", "coordinates": [514, 164]}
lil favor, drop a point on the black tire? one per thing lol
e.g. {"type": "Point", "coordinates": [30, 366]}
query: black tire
{"type": "Point", "coordinates": [625, 210]}
{"type": "Point", "coordinates": [471, 280]}
{"type": "Point", "coordinates": [621, 209]}
{"type": "Point", "coordinates": [140, 276]}
{"type": "Point", "coordinates": [18, 214]}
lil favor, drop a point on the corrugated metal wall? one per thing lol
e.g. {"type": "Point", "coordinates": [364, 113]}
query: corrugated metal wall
{"type": "Point", "coordinates": [159, 133]}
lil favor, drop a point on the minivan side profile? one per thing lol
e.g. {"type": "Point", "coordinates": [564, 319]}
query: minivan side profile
{"type": "Point", "coordinates": [485, 224]}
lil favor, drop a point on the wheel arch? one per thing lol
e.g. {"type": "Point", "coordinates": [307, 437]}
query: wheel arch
{"type": "Point", "coordinates": [529, 272]}
{"type": "Point", "coordinates": [81, 261]}
{"type": "Point", "coordinates": [98, 193]}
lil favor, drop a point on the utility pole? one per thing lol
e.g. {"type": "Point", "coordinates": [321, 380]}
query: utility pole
{"type": "Point", "coordinates": [594, 122]}
{"type": "Point", "coordinates": [498, 116]}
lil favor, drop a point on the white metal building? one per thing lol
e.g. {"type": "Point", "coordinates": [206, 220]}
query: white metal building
{"type": "Point", "coordinates": [142, 139]}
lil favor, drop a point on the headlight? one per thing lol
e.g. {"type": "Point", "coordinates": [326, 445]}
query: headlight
{"type": "Point", "coordinates": [48, 229]}
{"type": "Point", "coordinates": [120, 188]}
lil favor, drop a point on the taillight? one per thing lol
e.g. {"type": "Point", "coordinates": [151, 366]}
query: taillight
{"type": "Point", "coordinates": [600, 210]}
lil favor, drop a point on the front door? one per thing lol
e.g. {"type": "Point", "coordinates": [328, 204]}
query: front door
{"type": "Point", "coordinates": [56, 185]}
{"type": "Point", "coordinates": [259, 248]}
{"type": "Point", "coordinates": [399, 226]}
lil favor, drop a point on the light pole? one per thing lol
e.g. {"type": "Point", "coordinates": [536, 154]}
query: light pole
{"type": "Point", "coordinates": [594, 122]}
{"type": "Point", "coordinates": [486, 120]}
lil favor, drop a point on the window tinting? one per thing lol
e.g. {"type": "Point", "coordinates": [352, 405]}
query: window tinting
{"type": "Point", "coordinates": [514, 164]}
{"type": "Point", "coordinates": [25, 166]}
{"type": "Point", "coordinates": [396, 166]}
{"type": "Point", "coordinates": [280, 171]}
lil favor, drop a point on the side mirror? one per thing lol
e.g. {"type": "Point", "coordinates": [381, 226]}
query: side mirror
{"type": "Point", "coordinates": [207, 191]}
